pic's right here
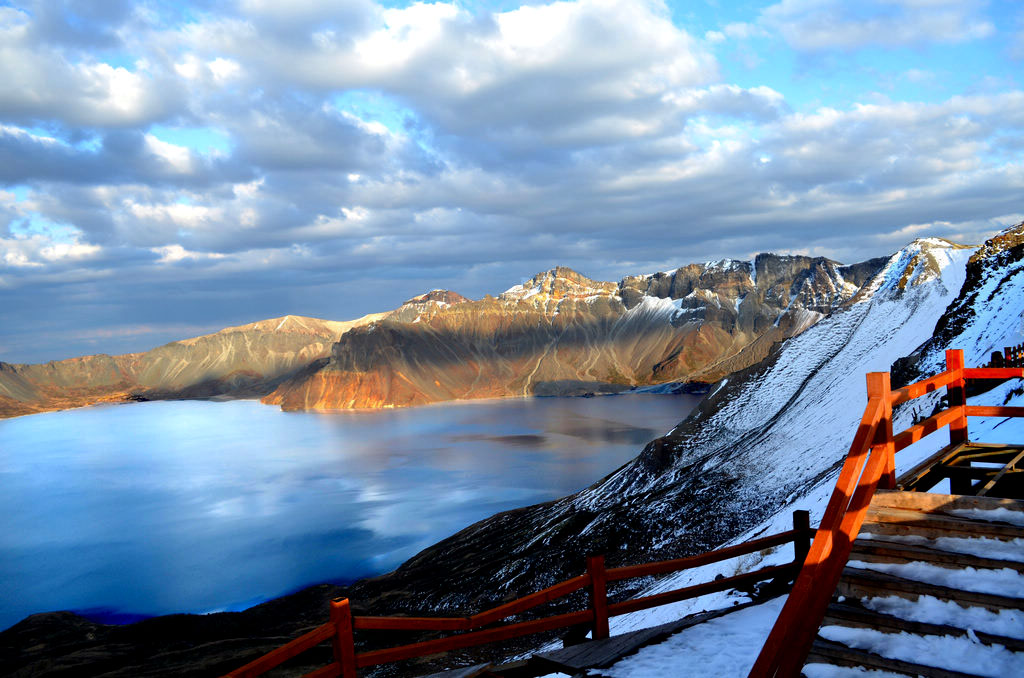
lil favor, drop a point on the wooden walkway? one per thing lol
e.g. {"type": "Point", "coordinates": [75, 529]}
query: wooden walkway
{"type": "Point", "coordinates": [576, 660]}
{"type": "Point", "coordinates": [979, 469]}
{"type": "Point", "coordinates": [904, 535]}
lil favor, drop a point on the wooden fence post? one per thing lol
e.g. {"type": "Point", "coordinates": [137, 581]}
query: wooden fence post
{"type": "Point", "coordinates": [802, 541]}
{"type": "Point", "coordinates": [344, 643]}
{"type": "Point", "coordinates": [598, 595]}
{"type": "Point", "coordinates": [880, 385]}
{"type": "Point", "coordinates": [957, 396]}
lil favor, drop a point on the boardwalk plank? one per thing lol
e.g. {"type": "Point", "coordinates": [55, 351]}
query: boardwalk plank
{"type": "Point", "coordinates": [597, 654]}
{"type": "Point", "coordinates": [826, 652]}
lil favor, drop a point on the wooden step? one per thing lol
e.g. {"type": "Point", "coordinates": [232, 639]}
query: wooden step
{"type": "Point", "coordinates": [936, 503]}
{"type": "Point", "coordinates": [884, 520]}
{"type": "Point", "coordinates": [837, 654]}
{"type": "Point", "coordinates": [855, 616]}
{"type": "Point", "coordinates": [882, 551]}
{"type": "Point", "coordinates": [858, 583]}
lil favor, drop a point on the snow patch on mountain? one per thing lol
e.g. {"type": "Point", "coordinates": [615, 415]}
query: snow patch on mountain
{"type": "Point", "coordinates": [652, 308]}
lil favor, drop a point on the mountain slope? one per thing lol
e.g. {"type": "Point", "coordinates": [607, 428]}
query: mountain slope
{"type": "Point", "coordinates": [562, 330]}
{"type": "Point", "coordinates": [765, 436]}
{"type": "Point", "coordinates": [244, 360]}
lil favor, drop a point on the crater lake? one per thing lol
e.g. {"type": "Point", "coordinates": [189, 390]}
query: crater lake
{"type": "Point", "coordinates": [124, 511]}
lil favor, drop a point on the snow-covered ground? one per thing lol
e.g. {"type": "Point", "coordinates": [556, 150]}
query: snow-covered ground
{"type": "Point", "coordinates": [724, 646]}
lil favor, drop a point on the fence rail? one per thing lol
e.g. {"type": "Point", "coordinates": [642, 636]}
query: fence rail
{"type": "Point", "coordinates": [342, 625]}
{"type": "Point", "coordinates": [870, 464]}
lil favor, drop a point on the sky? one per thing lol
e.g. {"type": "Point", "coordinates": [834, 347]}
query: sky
{"type": "Point", "coordinates": [171, 168]}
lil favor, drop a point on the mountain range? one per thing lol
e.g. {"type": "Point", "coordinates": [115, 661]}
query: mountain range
{"type": "Point", "coordinates": [559, 333]}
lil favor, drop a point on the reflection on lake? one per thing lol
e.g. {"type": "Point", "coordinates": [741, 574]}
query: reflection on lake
{"type": "Point", "coordinates": [195, 506]}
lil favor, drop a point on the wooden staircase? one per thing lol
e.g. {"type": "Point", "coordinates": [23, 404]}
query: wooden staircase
{"type": "Point", "coordinates": [928, 571]}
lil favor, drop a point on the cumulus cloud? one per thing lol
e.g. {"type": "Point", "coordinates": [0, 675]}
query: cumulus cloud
{"type": "Point", "coordinates": [44, 82]}
{"type": "Point", "coordinates": [430, 145]}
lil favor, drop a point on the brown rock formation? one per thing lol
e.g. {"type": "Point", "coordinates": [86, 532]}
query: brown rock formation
{"type": "Point", "coordinates": [248, 360]}
{"type": "Point", "coordinates": [555, 332]}
{"type": "Point", "coordinates": [699, 322]}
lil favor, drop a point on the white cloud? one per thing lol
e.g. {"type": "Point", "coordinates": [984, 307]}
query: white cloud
{"type": "Point", "coordinates": [40, 251]}
{"type": "Point", "coordinates": [177, 157]}
{"type": "Point", "coordinates": [224, 69]}
{"type": "Point", "coordinates": [836, 24]}
{"type": "Point", "coordinates": [172, 254]}
{"type": "Point", "coordinates": [180, 215]}
{"type": "Point", "coordinates": [544, 73]}
{"type": "Point", "coordinates": [744, 31]}
{"type": "Point", "coordinates": [41, 82]}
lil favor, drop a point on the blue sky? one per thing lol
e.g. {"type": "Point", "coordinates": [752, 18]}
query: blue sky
{"type": "Point", "coordinates": [170, 169]}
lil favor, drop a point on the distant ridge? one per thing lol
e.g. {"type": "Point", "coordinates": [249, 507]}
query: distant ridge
{"type": "Point", "coordinates": [562, 332]}
{"type": "Point", "coordinates": [559, 332]}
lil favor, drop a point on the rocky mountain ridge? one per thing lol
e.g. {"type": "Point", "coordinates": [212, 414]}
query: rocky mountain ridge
{"type": "Point", "coordinates": [246, 360]}
{"type": "Point", "coordinates": [558, 333]}
{"type": "Point", "coordinates": [561, 330]}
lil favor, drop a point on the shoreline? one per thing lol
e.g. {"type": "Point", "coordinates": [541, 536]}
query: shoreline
{"type": "Point", "coordinates": [128, 398]}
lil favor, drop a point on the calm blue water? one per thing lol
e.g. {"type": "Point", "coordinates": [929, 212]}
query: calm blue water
{"type": "Point", "coordinates": [161, 507]}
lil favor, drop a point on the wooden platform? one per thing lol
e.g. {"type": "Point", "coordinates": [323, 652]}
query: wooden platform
{"type": "Point", "coordinates": [913, 528]}
{"type": "Point", "coordinates": [603, 653]}
{"type": "Point", "coordinates": [976, 469]}
{"type": "Point", "coordinates": [591, 654]}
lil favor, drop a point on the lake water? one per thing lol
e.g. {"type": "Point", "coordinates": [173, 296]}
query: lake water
{"type": "Point", "coordinates": [196, 506]}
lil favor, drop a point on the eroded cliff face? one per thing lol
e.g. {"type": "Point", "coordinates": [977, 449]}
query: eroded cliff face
{"type": "Point", "coordinates": [248, 360]}
{"type": "Point", "coordinates": [559, 332]}
{"type": "Point", "coordinates": [561, 329]}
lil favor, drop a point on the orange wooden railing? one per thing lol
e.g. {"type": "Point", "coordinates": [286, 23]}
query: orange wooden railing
{"type": "Point", "coordinates": [870, 464]}
{"type": "Point", "coordinates": [342, 623]}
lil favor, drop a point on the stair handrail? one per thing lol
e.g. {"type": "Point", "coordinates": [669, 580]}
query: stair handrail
{"type": "Point", "coordinates": [870, 464]}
